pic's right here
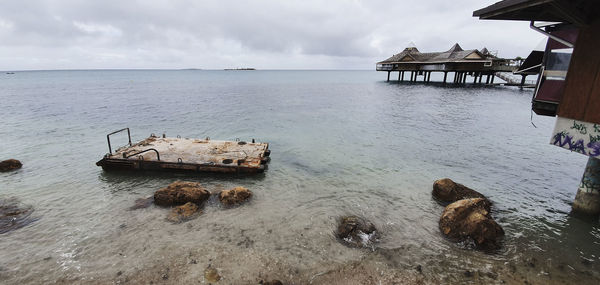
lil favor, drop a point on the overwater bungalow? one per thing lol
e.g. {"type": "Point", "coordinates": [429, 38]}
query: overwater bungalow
{"type": "Point", "coordinates": [473, 62]}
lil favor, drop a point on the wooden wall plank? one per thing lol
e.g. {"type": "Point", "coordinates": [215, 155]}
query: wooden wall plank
{"type": "Point", "coordinates": [592, 108]}
{"type": "Point", "coordinates": [582, 74]}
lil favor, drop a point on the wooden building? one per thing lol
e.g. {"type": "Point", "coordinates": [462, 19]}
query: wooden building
{"type": "Point", "coordinates": [570, 78]}
{"type": "Point", "coordinates": [476, 63]}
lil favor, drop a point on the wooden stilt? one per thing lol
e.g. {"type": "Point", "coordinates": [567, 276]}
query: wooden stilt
{"type": "Point", "coordinates": [445, 75]}
{"type": "Point", "coordinates": [399, 73]}
{"type": "Point", "coordinates": [492, 81]}
{"type": "Point", "coordinates": [388, 78]}
{"type": "Point", "coordinates": [487, 79]}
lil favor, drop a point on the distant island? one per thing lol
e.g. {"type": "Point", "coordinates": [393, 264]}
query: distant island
{"type": "Point", "coordinates": [245, 68]}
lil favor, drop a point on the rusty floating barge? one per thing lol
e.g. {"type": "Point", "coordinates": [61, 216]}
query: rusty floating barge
{"type": "Point", "coordinates": [185, 154]}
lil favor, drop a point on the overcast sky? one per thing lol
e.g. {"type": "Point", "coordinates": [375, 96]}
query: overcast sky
{"type": "Point", "coordinates": [265, 34]}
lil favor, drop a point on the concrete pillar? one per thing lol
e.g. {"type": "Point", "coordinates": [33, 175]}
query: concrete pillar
{"type": "Point", "coordinates": [388, 76]}
{"type": "Point", "coordinates": [587, 200]}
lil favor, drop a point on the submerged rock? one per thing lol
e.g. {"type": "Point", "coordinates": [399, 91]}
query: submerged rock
{"type": "Point", "coordinates": [181, 192]}
{"type": "Point", "coordinates": [141, 203]}
{"type": "Point", "coordinates": [449, 191]}
{"type": "Point", "coordinates": [470, 219]}
{"type": "Point", "coordinates": [272, 282]}
{"type": "Point", "coordinates": [10, 164]}
{"type": "Point", "coordinates": [356, 232]}
{"type": "Point", "coordinates": [234, 196]}
{"type": "Point", "coordinates": [211, 274]}
{"type": "Point", "coordinates": [13, 215]}
{"type": "Point", "coordinates": [184, 213]}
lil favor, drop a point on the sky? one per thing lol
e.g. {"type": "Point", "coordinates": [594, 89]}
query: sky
{"type": "Point", "coordinates": [263, 34]}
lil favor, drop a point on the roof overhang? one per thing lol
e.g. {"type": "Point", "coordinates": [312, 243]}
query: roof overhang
{"type": "Point", "coordinates": [578, 12]}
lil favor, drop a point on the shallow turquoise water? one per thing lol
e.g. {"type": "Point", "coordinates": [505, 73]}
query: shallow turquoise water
{"type": "Point", "coordinates": [343, 142]}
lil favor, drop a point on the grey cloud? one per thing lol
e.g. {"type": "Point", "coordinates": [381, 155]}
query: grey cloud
{"type": "Point", "coordinates": [264, 33]}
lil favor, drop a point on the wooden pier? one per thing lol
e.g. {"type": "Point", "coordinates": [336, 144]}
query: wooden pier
{"type": "Point", "coordinates": [461, 63]}
{"type": "Point", "coordinates": [184, 154]}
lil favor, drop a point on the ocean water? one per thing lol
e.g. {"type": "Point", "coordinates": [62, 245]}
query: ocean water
{"type": "Point", "coordinates": [343, 142]}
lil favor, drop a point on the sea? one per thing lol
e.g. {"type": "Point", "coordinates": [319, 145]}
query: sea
{"type": "Point", "coordinates": [342, 143]}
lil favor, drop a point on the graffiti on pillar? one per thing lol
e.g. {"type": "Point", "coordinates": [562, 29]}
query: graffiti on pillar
{"type": "Point", "coordinates": [577, 136]}
{"type": "Point", "coordinates": [590, 182]}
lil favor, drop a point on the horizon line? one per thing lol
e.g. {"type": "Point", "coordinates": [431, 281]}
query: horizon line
{"type": "Point", "coordinates": [181, 69]}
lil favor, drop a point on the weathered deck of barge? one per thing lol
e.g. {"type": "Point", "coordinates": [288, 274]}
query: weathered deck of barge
{"type": "Point", "coordinates": [185, 154]}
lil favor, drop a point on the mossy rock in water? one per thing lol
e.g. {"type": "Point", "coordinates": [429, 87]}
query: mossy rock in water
{"type": "Point", "coordinates": [181, 192]}
{"type": "Point", "coordinates": [211, 274]}
{"type": "Point", "coordinates": [470, 219]}
{"type": "Point", "coordinates": [184, 213]}
{"type": "Point", "coordinates": [272, 282]}
{"type": "Point", "coordinates": [355, 231]}
{"type": "Point", "coordinates": [447, 190]}
{"type": "Point", "coordinates": [234, 196]}
{"type": "Point", "coordinates": [10, 164]}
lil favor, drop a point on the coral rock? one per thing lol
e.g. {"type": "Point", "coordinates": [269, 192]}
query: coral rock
{"type": "Point", "coordinates": [449, 191]}
{"type": "Point", "coordinates": [181, 192]}
{"type": "Point", "coordinates": [470, 219]}
{"type": "Point", "coordinates": [14, 215]}
{"type": "Point", "coordinates": [234, 196]}
{"type": "Point", "coordinates": [356, 232]}
{"type": "Point", "coordinates": [184, 213]}
{"type": "Point", "coordinates": [141, 203]}
{"type": "Point", "coordinates": [211, 274]}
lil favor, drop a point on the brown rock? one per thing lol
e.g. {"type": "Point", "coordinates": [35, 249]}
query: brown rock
{"type": "Point", "coordinates": [449, 191]}
{"type": "Point", "coordinates": [470, 219]}
{"type": "Point", "coordinates": [356, 232]}
{"type": "Point", "coordinates": [234, 196]}
{"type": "Point", "coordinates": [181, 192]}
{"type": "Point", "coordinates": [272, 282]}
{"type": "Point", "coordinates": [211, 274]}
{"type": "Point", "coordinates": [184, 213]}
{"type": "Point", "coordinates": [10, 164]}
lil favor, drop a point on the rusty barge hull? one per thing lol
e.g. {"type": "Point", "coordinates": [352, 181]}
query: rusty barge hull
{"type": "Point", "coordinates": [188, 155]}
